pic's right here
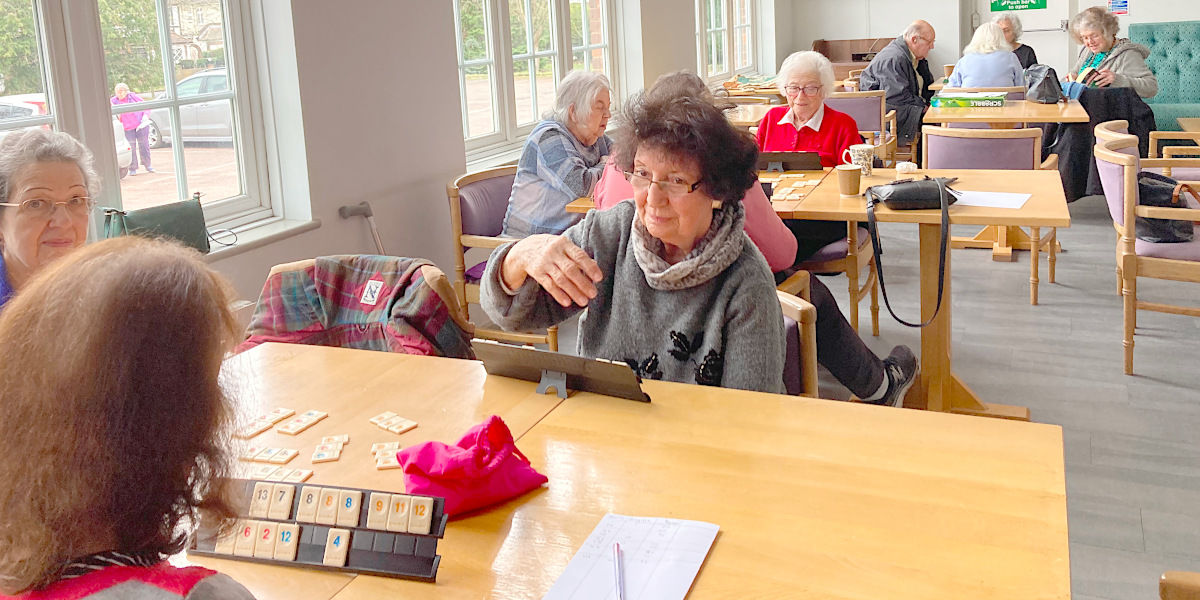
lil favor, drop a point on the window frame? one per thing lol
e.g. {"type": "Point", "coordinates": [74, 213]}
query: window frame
{"type": "Point", "coordinates": [729, 29]}
{"type": "Point", "coordinates": [510, 135]}
{"type": "Point", "coordinates": [70, 40]}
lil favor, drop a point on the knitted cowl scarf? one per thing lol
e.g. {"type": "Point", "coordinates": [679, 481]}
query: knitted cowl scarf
{"type": "Point", "coordinates": [718, 249]}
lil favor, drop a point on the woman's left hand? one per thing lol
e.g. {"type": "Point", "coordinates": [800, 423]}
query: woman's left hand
{"type": "Point", "coordinates": [1104, 78]}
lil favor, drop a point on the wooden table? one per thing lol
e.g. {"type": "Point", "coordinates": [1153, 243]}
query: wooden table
{"type": "Point", "coordinates": [940, 389]}
{"type": "Point", "coordinates": [1003, 240]}
{"type": "Point", "coordinates": [1189, 124]}
{"type": "Point", "coordinates": [814, 498]}
{"type": "Point", "coordinates": [445, 396]}
{"type": "Point", "coordinates": [770, 92]}
{"type": "Point", "coordinates": [1013, 111]}
{"type": "Point", "coordinates": [748, 115]}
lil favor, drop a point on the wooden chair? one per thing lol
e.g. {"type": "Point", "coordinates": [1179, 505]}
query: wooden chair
{"type": "Point", "coordinates": [854, 73]}
{"type": "Point", "coordinates": [1118, 165]}
{"type": "Point", "coordinates": [875, 122]}
{"type": "Point", "coordinates": [1185, 174]}
{"type": "Point", "coordinates": [1179, 585]}
{"type": "Point", "coordinates": [946, 148]}
{"type": "Point", "coordinates": [800, 326]}
{"type": "Point", "coordinates": [478, 202]}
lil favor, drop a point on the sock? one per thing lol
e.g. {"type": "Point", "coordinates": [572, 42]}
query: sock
{"type": "Point", "coordinates": [882, 391]}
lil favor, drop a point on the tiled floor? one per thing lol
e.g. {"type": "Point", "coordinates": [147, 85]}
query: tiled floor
{"type": "Point", "coordinates": [1131, 443]}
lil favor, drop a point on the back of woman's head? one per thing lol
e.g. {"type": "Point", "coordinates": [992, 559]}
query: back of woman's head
{"type": "Point", "coordinates": [987, 39]}
{"type": "Point", "coordinates": [109, 382]}
{"type": "Point", "coordinates": [689, 127]}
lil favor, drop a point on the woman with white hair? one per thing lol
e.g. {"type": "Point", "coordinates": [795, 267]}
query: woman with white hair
{"type": "Point", "coordinates": [805, 124]}
{"type": "Point", "coordinates": [988, 61]}
{"type": "Point", "coordinates": [1105, 60]}
{"type": "Point", "coordinates": [1010, 24]}
{"type": "Point", "coordinates": [562, 159]}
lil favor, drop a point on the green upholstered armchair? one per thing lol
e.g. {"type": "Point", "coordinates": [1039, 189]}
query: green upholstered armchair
{"type": "Point", "coordinates": [1175, 60]}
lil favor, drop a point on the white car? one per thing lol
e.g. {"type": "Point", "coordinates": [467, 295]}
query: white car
{"type": "Point", "coordinates": [29, 105]}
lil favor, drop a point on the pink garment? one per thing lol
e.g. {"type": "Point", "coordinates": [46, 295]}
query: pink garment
{"type": "Point", "coordinates": [484, 468]}
{"type": "Point", "coordinates": [764, 227]}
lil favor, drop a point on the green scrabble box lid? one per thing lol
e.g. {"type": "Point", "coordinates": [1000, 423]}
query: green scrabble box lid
{"type": "Point", "coordinates": [968, 99]}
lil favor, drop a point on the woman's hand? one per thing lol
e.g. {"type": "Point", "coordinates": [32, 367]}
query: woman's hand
{"type": "Point", "coordinates": [1104, 78]}
{"type": "Point", "coordinates": [1070, 77]}
{"type": "Point", "coordinates": [560, 267]}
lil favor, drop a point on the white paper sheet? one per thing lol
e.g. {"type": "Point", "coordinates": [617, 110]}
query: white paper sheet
{"type": "Point", "coordinates": [660, 558]}
{"type": "Point", "coordinates": [990, 199]}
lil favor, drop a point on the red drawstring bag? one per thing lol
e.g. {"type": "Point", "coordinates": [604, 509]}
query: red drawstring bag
{"type": "Point", "coordinates": [484, 468]}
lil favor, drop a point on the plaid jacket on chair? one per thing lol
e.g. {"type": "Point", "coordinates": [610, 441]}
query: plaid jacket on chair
{"type": "Point", "coordinates": [360, 301]}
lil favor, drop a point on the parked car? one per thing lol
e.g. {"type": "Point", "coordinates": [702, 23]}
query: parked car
{"type": "Point", "coordinates": [29, 105]}
{"type": "Point", "coordinates": [203, 121]}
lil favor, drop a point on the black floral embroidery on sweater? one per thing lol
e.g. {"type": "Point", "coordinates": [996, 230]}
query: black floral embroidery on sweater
{"type": "Point", "coordinates": [683, 349]}
{"type": "Point", "coordinates": [712, 370]}
{"type": "Point", "coordinates": [646, 369]}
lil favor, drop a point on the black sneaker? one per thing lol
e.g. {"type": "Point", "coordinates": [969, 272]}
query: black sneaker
{"type": "Point", "coordinates": [901, 367]}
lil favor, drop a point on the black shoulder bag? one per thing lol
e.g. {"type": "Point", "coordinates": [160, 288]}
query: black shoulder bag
{"type": "Point", "coordinates": [907, 194]}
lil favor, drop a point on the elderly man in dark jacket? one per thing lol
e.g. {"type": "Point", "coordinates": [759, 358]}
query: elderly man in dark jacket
{"type": "Point", "coordinates": [901, 70]}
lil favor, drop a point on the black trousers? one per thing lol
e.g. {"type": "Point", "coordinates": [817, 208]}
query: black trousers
{"type": "Point", "coordinates": [839, 348]}
{"type": "Point", "coordinates": [814, 235]}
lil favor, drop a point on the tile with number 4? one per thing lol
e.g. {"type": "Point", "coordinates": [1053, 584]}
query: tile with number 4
{"type": "Point", "coordinates": [337, 546]}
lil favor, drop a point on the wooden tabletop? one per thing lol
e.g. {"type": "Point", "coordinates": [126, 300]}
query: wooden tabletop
{"type": "Point", "coordinates": [1046, 208]}
{"type": "Point", "coordinates": [1189, 124]}
{"type": "Point", "coordinates": [814, 498]}
{"type": "Point", "coordinates": [748, 115]}
{"type": "Point", "coordinates": [444, 396]}
{"type": "Point", "coordinates": [1013, 111]}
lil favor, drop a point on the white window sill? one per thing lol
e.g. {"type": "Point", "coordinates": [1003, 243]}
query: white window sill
{"type": "Point", "coordinates": [259, 235]}
{"type": "Point", "coordinates": [504, 157]}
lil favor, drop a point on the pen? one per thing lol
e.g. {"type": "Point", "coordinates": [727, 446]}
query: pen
{"type": "Point", "coordinates": [618, 572]}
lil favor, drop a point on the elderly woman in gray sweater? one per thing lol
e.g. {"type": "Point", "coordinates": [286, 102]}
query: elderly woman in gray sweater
{"type": "Point", "coordinates": [670, 282]}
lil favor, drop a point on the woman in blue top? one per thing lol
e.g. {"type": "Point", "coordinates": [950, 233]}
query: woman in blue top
{"type": "Point", "coordinates": [563, 158]}
{"type": "Point", "coordinates": [988, 61]}
{"type": "Point", "coordinates": [47, 183]}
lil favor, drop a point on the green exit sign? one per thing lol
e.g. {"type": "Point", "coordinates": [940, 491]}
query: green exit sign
{"type": "Point", "coordinates": [1001, 5]}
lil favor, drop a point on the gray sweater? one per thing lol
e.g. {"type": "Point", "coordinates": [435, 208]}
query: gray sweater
{"type": "Point", "coordinates": [1127, 61]}
{"type": "Point", "coordinates": [724, 331]}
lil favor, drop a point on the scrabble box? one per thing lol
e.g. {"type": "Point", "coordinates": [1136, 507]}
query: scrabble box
{"type": "Point", "coordinates": [331, 528]}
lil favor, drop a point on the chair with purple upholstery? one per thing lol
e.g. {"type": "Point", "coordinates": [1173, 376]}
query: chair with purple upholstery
{"type": "Point", "coordinates": [1118, 165]}
{"type": "Point", "coordinates": [800, 331]}
{"type": "Point", "coordinates": [477, 205]}
{"type": "Point", "coordinates": [867, 110]}
{"type": "Point", "coordinates": [1014, 149]}
{"type": "Point", "coordinates": [1189, 174]}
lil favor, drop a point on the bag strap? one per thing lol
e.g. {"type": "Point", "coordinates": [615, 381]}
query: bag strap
{"type": "Point", "coordinates": [1181, 189]}
{"type": "Point", "coordinates": [877, 248]}
{"type": "Point", "coordinates": [222, 232]}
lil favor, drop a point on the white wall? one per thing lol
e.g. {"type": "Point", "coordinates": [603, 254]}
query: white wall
{"type": "Point", "coordinates": [851, 19]}
{"type": "Point", "coordinates": [380, 104]}
{"type": "Point", "coordinates": [655, 37]}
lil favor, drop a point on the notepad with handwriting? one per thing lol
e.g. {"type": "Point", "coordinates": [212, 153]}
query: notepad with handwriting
{"type": "Point", "coordinates": [660, 558]}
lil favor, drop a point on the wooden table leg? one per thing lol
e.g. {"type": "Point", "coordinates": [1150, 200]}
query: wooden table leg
{"type": "Point", "coordinates": [1000, 239]}
{"type": "Point", "coordinates": [940, 388]}
{"type": "Point", "coordinates": [1034, 234]}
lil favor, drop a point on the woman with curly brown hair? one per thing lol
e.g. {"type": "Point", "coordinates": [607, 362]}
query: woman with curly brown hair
{"type": "Point", "coordinates": [110, 391]}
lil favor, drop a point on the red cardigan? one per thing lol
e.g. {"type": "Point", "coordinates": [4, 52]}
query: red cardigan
{"type": "Point", "coordinates": [838, 132]}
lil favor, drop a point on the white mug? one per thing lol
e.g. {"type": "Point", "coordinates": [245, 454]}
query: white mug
{"type": "Point", "coordinates": [862, 155]}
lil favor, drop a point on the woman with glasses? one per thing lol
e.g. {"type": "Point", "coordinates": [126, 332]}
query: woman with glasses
{"type": "Point", "coordinates": [47, 183]}
{"type": "Point", "coordinates": [764, 227]}
{"type": "Point", "coordinates": [562, 158]}
{"type": "Point", "coordinates": [1105, 60]}
{"type": "Point", "coordinates": [671, 284]}
{"type": "Point", "coordinates": [805, 124]}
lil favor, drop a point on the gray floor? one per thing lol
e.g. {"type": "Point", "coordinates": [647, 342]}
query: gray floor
{"type": "Point", "coordinates": [1132, 443]}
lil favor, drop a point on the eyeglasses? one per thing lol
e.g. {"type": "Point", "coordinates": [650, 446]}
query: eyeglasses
{"type": "Point", "coordinates": [1092, 37]}
{"type": "Point", "coordinates": [926, 40]}
{"type": "Point", "coordinates": [40, 208]}
{"type": "Point", "coordinates": [673, 189]}
{"type": "Point", "coordinates": [809, 90]}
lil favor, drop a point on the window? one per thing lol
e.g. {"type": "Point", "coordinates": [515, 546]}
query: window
{"type": "Point", "coordinates": [188, 110]}
{"type": "Point", "coordinates": [511, 56]}
{"type": "Point", "coordinates": [205, 95]}
{"type": "Point", "coordinates": [725, 37]}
